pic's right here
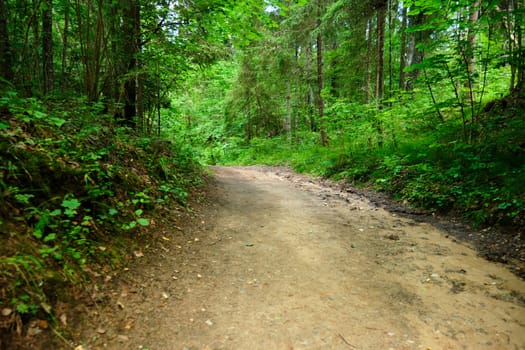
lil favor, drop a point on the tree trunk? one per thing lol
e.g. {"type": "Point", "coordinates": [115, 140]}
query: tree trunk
{"type": "Point", "coordinates": [471, 36]}
{"type": "Point", "coordinates": [508, 24]}
{"type": "Point", "coordinates": [380, 64]}
{"type": "Point", "coordinates": [320, 78]}
{"type": "Point", "coordinates": [158, 100]}
{"type": "Point", "coordinates": [310, 97]}
{"type": "Point", "coordinates": [92, 42]}
{"type": "Point", "coordinates": [249, 120]}
{"type": "Point", "coordinates": [469, 55]}
{"type": "Point", "coordinates": [288, 117]}
{"type": "Point", "coordinates": [311, 108]}
{"type": "Point", "coordinates": [380, 69]}
{"type": "Point", "coordinates": [34, 72]}
{"type": "Point", "coordinates": [390, 30]}
{"type": "Point", "coordinates": [402, 55]}
{"type": "Point", "coordinates": [6, 55]}
{"type": "Point", "coordinates": [47, 46]}
{"type": "Point", "coordinates": [368, 68]}
{"type": "Point", "coordinates": [131, 24]}
{"type": "Point", "coordinates": [415, 55]}
{"type": "Point", "coordinates": [63, 80]}
{"type": "Point", "coordinates": [520, 84]}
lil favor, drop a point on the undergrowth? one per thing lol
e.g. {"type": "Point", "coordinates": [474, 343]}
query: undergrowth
{"type": "Point", "coordinates": [76, 191]}
{"type": "Point", "coordinates": [421, 160]}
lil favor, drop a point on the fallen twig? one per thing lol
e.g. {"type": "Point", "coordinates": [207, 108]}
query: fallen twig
{"type": "Point", "coordinates": [346, 341]}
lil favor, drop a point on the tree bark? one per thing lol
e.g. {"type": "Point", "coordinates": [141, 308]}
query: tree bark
{"type": "Point", "coordinates": [310, 96]}
{"type": "Point", "coordinates": [6, 55]}
{"type": "Point", "coordinates": [92, 41]}
{"type": "Point", "coordinates": [380, 64]}
{"type": "Point", "coordinates": [47, 46]}
{"type": "Point", "coordinates": [471, 36]}
{"type": "Point", "coordinates": [288, 117]}
{"type": "Point", "coordinates": [469, 55]}
{"type": "Point", "coordinates": [520, 84]}
{"type": "Point", "coordinates": [33, 77]}
{"type": "Point", "coordinates": [380, 69]}
{"type": "Point", "coordinates": [63, 80]}
{"type": "Point", "coordinates": [131, 24]}
{"type": "Point", "coordinates": [403, 52]}
{"type": "Point", "coordinates": [320, 78]}
{"type": "Point", "coordinates": [390, 30]}
{"type": "Point", "coordinates": [415, 55]}
{"type": "Point", "coordinates": [368, 68]}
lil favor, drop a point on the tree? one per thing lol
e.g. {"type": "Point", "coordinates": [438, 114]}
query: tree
{"type": "Point", "coordinates": [380, 56]}
{"type": "Point", "coordinates": [380, 65]}
{"type": "Point", "coordinates": [320, 75]}
{"type": "Point", "coordinates": [65, 46]}
{"type": "Point", "coordinates": [47, 45]}
{"type": "Point", "coordinates": [415, 53]}
{"type": "Point", "coordinates": [403, 51]}
{"type": "Point", "coordinates": [6, 59]}
{"type": "Point", "coordinates": [512, 14]}
{"type": "Point", "coordinates": [130, 53]}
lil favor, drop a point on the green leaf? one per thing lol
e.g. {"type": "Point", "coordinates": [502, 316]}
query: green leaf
{"type": "Point", "coordinates": [37, 233]}
{"type": "Point", "coordinates": [56, 212]}
{"type": "Point", "coordinates": [23, 198]}
{"type": "Point", "coordinates": [72, 203]}
{"type": "Point", "coordinates": [504, 205]}
{"type": "Point", "coordinates": [39, 115]}
{"type": "Point", "coordinates": [71, 206]}
{"type": "Point", "coordinates": [50, 237]}
{"type": "Point", "coordinates": [138, 212]}
{"type": "Point", "coordinates": [22, 308]}
{"type": "Point", "coordinates": [143, 222]}
{"type": "Point", "coordinates": [58, 122]}
{"type": "Point", "coordinates": [112, 211]}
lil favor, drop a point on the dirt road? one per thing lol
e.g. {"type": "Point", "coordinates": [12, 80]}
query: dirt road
{"type": "Point", "coordinates": [279, 262]}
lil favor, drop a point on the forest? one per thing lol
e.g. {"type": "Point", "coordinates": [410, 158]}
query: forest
{"type": "Point", "coordinates": [109, 111]}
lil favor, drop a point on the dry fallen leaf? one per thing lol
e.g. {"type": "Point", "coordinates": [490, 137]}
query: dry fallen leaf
{"type": "Point", "coordinates": [101, 330]}
{"type": "Point", "coordinates": [63, 319]}
{"type": "Point", "coordinates": [138, 254]}
{"type": "Point", "coordinates": [6, 311]}
{"type": "Point", "coordinates": [43, 324]}
{"type": "Point", "coordinates": [122, 338]}
{"type": "Point", "coordinates": [32, 331]}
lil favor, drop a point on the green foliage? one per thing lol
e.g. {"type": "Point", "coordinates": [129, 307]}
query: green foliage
{"type": "Point", "coordinates": [423, 159]}
{"type": "Point", "coordinates": [444, 140]}
{"type": "Point", "coordinates": [69, 188]}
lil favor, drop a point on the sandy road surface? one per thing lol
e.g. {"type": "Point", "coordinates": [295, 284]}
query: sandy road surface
{"type": "Point", "coordinates": [277, 263]}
